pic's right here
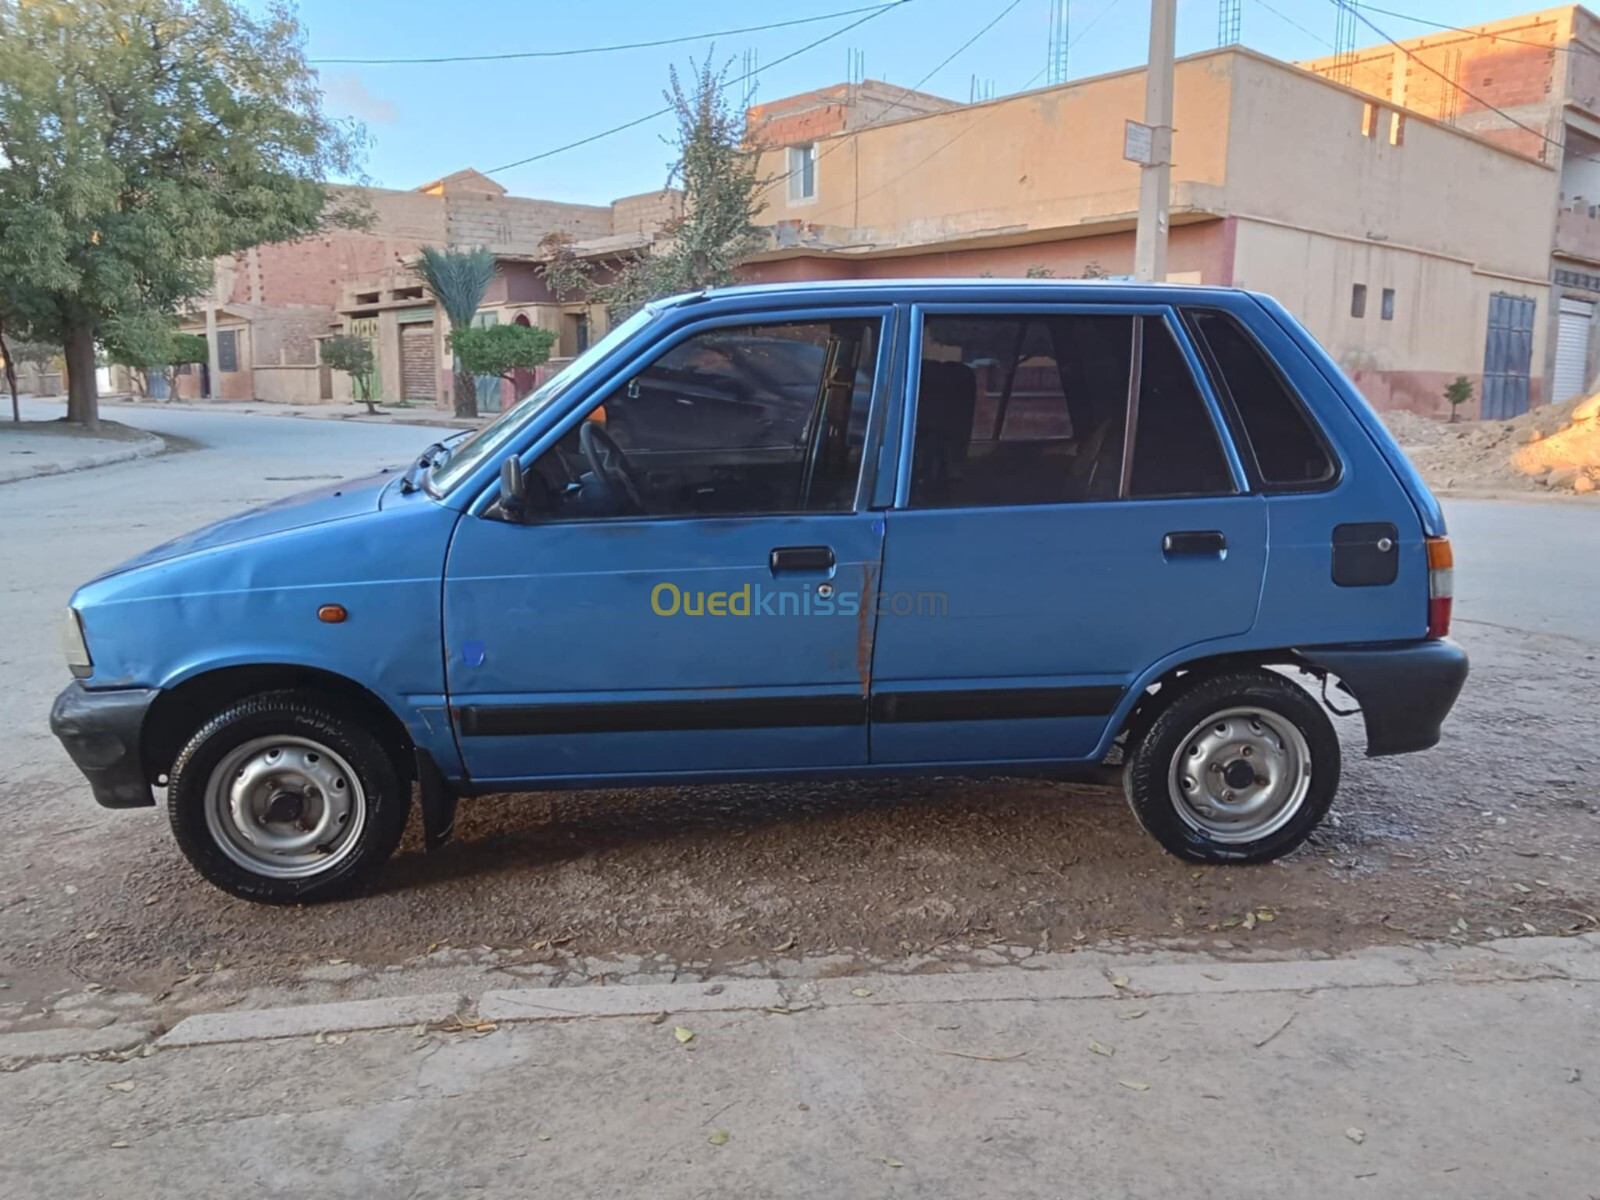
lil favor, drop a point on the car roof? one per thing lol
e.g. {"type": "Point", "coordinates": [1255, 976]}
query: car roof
{"type": "Point", "coordinates": [941, 290]}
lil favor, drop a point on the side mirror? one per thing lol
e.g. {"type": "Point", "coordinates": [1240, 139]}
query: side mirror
{"type": "Point", "coordinates": [513, 488]}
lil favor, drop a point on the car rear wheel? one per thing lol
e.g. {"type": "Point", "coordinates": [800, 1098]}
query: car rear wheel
{"type": "Point", "coordinates": [1236, 767]}
{"type": "Point", "coordinates": [280, 800]}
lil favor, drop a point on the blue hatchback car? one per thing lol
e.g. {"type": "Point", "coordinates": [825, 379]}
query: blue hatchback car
{"type": "Point", "coordinates": [797, 531]}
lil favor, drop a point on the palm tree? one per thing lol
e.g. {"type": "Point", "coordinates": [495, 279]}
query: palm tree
{"type": "Point", "coordinates": [458, 280]}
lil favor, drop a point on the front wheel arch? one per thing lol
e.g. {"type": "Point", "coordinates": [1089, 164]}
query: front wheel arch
{"type": "Point", "coordinates": [180, 711]}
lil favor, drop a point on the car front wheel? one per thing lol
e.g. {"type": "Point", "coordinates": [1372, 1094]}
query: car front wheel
{"type": "Point", "coordinates": [1237, 767]}
{"type": "Point", "coordinates": [280, 800]}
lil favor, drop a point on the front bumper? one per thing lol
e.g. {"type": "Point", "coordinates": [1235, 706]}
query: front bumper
{"type": "Point", "coordinates": [101, 732]}
{"type": "Point", "coordinates": [1405, 689]}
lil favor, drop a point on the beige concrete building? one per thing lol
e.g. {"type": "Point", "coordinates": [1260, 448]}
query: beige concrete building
{"type": "Point", "coordinates": [1530, 83]}
{"type": "Point", "coordinates": [273, 304]}
{"type": "Point", "coordinates": [1399, 239]}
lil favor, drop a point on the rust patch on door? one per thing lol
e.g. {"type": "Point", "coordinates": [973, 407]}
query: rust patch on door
{"type": "Point", "coordinates": [869, 605]}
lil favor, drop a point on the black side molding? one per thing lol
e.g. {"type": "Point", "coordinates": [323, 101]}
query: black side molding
{"type": "Point", "coordinates": [1009, 704]}
{"type": "Point", "coordinates": [1405, 689]}
{"type": "Point", "coordinates": [647, 716]}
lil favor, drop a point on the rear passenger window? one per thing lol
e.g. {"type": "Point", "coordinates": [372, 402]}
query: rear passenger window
{"type": "Point", "coordinates": [1034, 410]}
{"type": "Point", "coordinates": [1287, 449]}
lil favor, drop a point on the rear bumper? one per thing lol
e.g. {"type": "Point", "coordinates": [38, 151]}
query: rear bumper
{"type": "Point", "coordinates": [101, 733]}
{"type": "Point", "coordinates": [1405, 689]}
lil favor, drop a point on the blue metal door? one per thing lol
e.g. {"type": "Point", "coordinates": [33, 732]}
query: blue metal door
{"type": "Point", "coordinates": [645, 648]}
{"type": "Point", "coordinates": [1013, 620]}
{"type": "Point", "coordinates": [1507, 356]}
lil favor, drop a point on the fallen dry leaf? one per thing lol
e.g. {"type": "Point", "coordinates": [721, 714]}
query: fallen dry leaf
{"type": "Point", "coordinates": [657, 1018]}
{"type": "Point", "coordinates": [1100, 1048]}
{"type": "Point", "coordinates": [119, 1144]}
{"type": "Point", "coordinates": [1356, 1135]}
{"type": "Point", "coordinates": [719, 1138]}
{"type": "Point", "coordinates": [786, 944]}
{"type": "Point", "coordinates": [861, 991]}
{"type": "Point", "coordinates": [1132, 1016]}
{"type": "Point", "coordinates": [683, 1035]}
{"type": "Point", "coordinates": [1121, 981]}
{"type": "Point", "coordinates": [122, 1085]}
{"type": "Point", "coordinates": [1133, 1085]}
{"type": "Point", "coordinates": [891, 1161]}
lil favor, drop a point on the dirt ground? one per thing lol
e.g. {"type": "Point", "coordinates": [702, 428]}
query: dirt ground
{"type": "Point", "coordinates": [1493, 833]}
{"type": "Point", "coordinates": [1541, 452]}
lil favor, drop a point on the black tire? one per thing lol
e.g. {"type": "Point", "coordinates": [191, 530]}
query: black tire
{"type": "Point", "coordinates": [1153, 797]}
{"type": "Point", "coordinates": [384, 800]}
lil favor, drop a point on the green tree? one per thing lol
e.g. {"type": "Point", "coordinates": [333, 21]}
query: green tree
{"type": "Point", "coordinates": [1457, 392]}
{"type": "Point", "coordinates": [458, 280]}
{"type": "Point", "coordinates": [353, 355]}
{"type": "Point", "coordinates": [139, 140]}
{"type": "Point", "coordinates": [501, 350]}
{"type": "Point", "coordinates": [717, 167]}
{"type": "Point", "coordinates": [151, 344]}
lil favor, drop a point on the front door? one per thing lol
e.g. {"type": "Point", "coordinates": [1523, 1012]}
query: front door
{"type": "Point", "coordinates": [1039, 558]}
{"type": "Point", "coordinates": [685, 593]}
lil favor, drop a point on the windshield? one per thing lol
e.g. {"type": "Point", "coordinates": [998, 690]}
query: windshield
{"type": "Point", "coordinates": [467, 456]}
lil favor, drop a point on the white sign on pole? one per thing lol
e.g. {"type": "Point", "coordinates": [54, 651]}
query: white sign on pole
{"type": "Point", "coordinates": [1138, 143]}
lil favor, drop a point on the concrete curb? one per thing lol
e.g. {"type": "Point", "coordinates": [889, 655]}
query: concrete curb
{"type": "Point", "coordinates": [1508, 961]}
{"type": "Point", "coordinates": [261, 408]}
{"type": "Point", "coordinates": [148, 446]}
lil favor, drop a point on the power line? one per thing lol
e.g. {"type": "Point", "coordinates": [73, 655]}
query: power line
{"type": "Point", "coordinates": [945, 145]}
{"type": "Point", "coordinates": [661, 112]}
{"type": "Point", "coordinates": [943, 63]}
{"type": "Point", "coordinates": [1569, 48]}
{"type": "Point", "coordinates": [672, 41]}
{"type": "Point", "coordinates": [1287, 20]}
{"type": "Point", "coordinates": [1500, 112]}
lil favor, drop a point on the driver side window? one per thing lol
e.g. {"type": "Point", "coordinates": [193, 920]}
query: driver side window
{"type": "Point", "coordinates": [738, 420]}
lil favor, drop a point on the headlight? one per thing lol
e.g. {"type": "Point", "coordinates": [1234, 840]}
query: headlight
{"type": "Point", "coordinates": [77, 650]}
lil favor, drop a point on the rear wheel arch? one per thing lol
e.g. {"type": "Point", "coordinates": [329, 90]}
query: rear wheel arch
{"type": "Point", "coordinates": [182, 710]}
{"type": "Point", "coordinates": [1160, 691]}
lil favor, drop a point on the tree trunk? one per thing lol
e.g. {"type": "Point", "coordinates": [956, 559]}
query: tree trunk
{"type": "Point", "coordinates": [466, 397]}
{"type": "Point", "coordinates": [83, 398]}
{"type": "Point", "coordinates": [11, 378]}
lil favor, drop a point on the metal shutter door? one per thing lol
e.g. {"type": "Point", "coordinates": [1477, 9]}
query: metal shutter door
{"type": "Point", "coordinates": [1572, 350]}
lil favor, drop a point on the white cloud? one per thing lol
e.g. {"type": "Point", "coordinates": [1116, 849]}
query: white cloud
{"type": "Point", "coordinates": [348, 96]}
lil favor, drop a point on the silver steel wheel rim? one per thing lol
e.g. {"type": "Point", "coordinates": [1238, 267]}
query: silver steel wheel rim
{"type": "Point", "coordinates": [285, 807]}
{"type": "Point", "coordinates": [1240, 775]}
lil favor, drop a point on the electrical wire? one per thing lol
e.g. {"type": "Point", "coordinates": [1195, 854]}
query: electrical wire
{"type": "Point", "coordinates": [943, 63]}
{"type": "Point", "coordinates": [572, 53]}
{"type": "Point", "coordinates": [945, 145]}
{"type": "Point", "coordinates": [1569, 48]}
{"type": "Point", "coordinates": [661, 112]}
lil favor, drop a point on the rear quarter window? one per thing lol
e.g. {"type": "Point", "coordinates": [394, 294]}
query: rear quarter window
{"type": "Point", "coordinates": [1288, 452]}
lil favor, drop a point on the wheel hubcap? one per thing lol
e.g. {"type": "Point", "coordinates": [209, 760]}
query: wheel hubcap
{"type": "Point", "coordinates": [286, 807]}
{"type": "Point", "coordinates": [1240, 775]}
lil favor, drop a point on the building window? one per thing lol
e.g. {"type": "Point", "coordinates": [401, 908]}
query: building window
{"type": "Point", "coordinates": [1388, 304]}
{"type": "Point", "coordinates": [227, 350]}
{"type": "Point", "coordinates": [1358, 300]}
{"type": "Point", "coordinates": [1369, 119]}
{"type": "Point", "coordinates": [803, 172]}
{"type": "Point", "coordinates": [1397, 129]}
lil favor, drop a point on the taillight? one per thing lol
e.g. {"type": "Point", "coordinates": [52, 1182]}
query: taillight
{"type": "Point", "coordinates": [1441, 586]}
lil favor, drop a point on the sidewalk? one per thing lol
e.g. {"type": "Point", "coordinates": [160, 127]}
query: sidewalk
{"type": "Point", "coordinates": [319, 412]}
{"type": "Point", "coordinates": [48, 447]}
{"type": "Point", "coordinates": [1443, 1071]}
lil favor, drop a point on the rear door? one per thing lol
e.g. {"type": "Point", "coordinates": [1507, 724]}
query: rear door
{"type": "Point", "coordinates": [1068, 513]}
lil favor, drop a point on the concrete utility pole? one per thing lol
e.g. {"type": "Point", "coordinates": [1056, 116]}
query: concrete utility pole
{"type": "Point", "coordinates": [1155, 176]}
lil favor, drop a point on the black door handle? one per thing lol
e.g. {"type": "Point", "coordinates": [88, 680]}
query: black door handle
{"type": "Point", "coordinates": [1193, 543]}
{"type": "Point", "coordinates": [801, 558]}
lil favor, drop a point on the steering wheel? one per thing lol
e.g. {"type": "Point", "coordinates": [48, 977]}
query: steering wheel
{"type": "Point", "coordinates": [607, 461]}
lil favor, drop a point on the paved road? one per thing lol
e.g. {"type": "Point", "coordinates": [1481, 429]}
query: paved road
{"type": "Point", "coordinates": [729, 874]}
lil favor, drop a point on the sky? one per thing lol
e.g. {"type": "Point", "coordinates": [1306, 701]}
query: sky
{"type": "Point", "coordinates": [426, 120]}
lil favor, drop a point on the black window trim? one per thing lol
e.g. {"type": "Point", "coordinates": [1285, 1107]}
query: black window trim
{"type": "Point", "coordinates": [581, 403]}
{"type": "Point", "coordinates": [1188, 350]}
{"type": "Point", "coordinates": [1236, 428]}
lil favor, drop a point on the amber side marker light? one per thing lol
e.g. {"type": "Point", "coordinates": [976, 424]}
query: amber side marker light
{"type": "Point", "coordinates": [334, 613]}
{"type": "Point", "coordinates": [1441, 586]}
